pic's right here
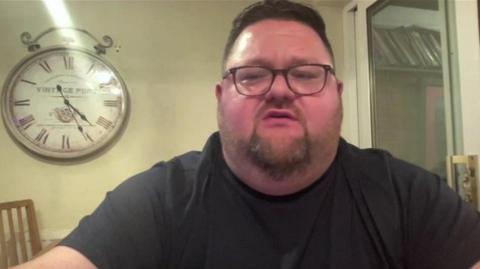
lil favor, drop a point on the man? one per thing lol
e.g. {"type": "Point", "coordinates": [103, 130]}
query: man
{"type": "Point", "coordinates": [277, 187]}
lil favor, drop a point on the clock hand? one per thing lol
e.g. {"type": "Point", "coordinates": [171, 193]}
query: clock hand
{"type": "Point", "coordinates": [79, 127]}
{"type": "Point", "coordinates": [82, 116]}
{"type": "Point", "coordinates": [68, 104]}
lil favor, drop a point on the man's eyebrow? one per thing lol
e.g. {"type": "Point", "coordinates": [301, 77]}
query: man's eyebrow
{"type": "Point", "coordinates": [268, 63]}
{"type": "Point", "coordinates": [255, 61]}
{"type": "Point", "coordinates": [298, 61]}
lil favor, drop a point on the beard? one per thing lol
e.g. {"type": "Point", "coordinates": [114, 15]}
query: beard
{"type": "Point", "coordinates": [279, 156]}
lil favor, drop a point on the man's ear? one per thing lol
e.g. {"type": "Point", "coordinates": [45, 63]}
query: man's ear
{"type": "Point", "coordinates": [218, 91]}
{"type": "Point", "coordinates": [340, 87]}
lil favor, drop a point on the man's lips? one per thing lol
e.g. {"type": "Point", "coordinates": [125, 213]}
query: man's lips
{"type": "Point", "coordinates": [279, 114]}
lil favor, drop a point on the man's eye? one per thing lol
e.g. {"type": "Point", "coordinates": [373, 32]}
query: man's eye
{"type": "Point", "coordinates": [304, 75]}
{"type": "Point", "coordinates": [252, 77]}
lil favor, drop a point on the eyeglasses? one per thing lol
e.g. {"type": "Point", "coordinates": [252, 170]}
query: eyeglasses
{"type": "Point", "coordinates": [305, 79]}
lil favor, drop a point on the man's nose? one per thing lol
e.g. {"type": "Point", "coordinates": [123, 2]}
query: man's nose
{"type": "Point", "coordinates": [279, 88]}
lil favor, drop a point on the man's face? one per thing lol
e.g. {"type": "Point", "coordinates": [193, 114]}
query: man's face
{"type": "Point", "coordinates": [279, 129]}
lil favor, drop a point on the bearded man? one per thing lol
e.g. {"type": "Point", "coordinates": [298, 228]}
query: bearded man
{"type": "Point", "coordinates": [277, 187]}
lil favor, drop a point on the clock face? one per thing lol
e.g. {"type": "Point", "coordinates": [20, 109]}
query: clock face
{"type": "Point", "coordinates": [64, 103]}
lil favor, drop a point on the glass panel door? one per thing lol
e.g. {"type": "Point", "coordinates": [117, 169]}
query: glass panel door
{"type": "Point", "coordinates": [409, 86]}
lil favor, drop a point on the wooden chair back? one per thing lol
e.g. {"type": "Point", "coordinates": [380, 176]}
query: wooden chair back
{"type": "Point", "coordinates": [19, 236]}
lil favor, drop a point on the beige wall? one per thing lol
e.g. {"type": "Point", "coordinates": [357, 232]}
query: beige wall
{"type": "Point", "coordinates": [170, 60]}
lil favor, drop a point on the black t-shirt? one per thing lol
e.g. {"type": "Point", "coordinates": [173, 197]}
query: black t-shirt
{"type": "Point", "coordinates": [192, 212]}
{"type": "Point", "coordinates": [303, 230]}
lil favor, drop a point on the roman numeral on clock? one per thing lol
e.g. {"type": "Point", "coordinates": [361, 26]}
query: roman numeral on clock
{"type": "Point", "coordinates": [65, 142]}
{"type": "Point", "coordinates": [68, 61]}
{"type": "Point", "coordinates": [104, 122]}
{"type": "Point", "coordinates": [24, 102]}
{"type": "Point", "coordinates": [87, 137]}
{"type": "Point", "coordinates": [26, 122]}
{"type": "Point", "coordinates": [111, 103]}
{"type": "Point", "coordinates": [42, 136]}
{"type": "Point", "coordinates": [91, 70]}
{"type": "Point", "coordinates": [28, 81]}
{"type": "Point", "coordinates": [45, 66]}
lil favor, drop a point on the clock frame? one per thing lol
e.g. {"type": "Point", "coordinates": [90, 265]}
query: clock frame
{"type": "Point", "coordinates": [64, 102]}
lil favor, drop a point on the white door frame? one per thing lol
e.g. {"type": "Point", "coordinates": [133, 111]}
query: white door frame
{"type": "Point", "coordinates": [357, 73]}
{"type": "Point", "coordinates": [468, 56]}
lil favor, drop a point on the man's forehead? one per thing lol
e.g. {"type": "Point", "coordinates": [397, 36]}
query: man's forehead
{"type": "Point", "coordinates": [266, 37]}
{"type": "Point", "coordinates": [270, 28]}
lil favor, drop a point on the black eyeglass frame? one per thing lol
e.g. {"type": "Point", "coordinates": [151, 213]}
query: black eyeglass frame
{"type": "Point", "coordinates": [232, 71]}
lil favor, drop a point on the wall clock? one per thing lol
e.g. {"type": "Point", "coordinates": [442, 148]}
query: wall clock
{"type": "Point", "coordinates": [64, 102]}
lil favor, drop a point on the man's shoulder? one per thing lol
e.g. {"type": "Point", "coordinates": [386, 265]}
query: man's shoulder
{"type": "Point", "coordinates": [178, 172]}
{"type": "Point", "coordinates": [382, 177]}
{"type": "Point", "coordinates": [177, 178]}
{"type": "Point", "coordinates": [192, 163]}
{"type": "Point", "coordinates": [378, 162]}
{"type": "Point", "coordinates": [386, 183]}
{"type": "Point", "coordinates": [188, 161]}
{"type": "Point", "coordinates": [363, 155]}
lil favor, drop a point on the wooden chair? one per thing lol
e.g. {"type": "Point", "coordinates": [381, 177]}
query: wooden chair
{"type": "Point", "coordinates": [19, 236]}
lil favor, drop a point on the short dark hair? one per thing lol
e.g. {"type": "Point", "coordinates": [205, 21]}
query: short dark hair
{"type": "Point", "coordinates": [276, 9]}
